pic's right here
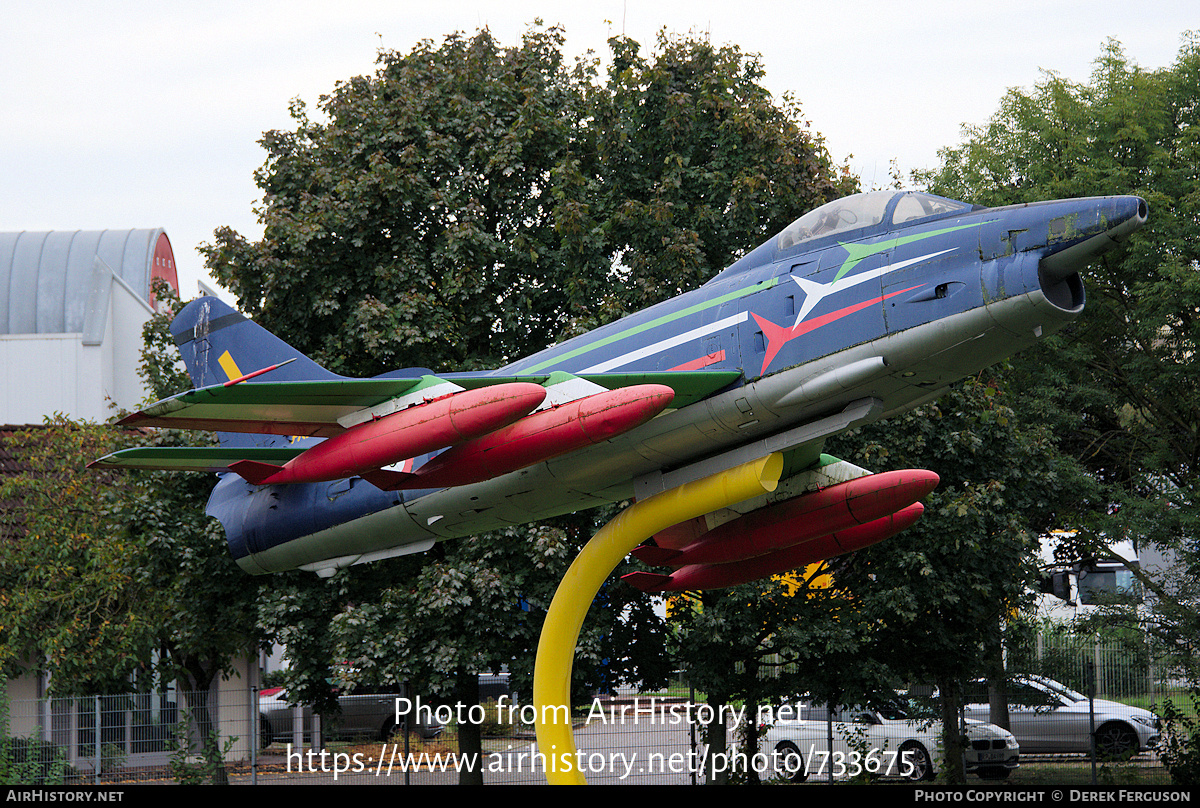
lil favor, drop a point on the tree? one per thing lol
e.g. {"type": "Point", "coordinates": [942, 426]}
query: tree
{"type": "Point", "coordinates": [692, 163]}
{"type": "Point", "coordinates": [114, 581]}
{"type": "Point", "coordinates": [938, 596]}
{"type": "Point", "coordinates": [761, 642]}
{"type": "Point", "coordinates": [417, 226]}
{"type": "Point", "coordinates": [1119, 387]}
{"type": "Point", "coordinates": [468, 204]}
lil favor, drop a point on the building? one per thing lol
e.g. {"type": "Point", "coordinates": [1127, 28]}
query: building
{"type": "Point", "coordinates": [72, 307]}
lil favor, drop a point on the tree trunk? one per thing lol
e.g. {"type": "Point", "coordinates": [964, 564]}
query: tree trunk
{"type": "Point", "coordinates": [953, 770]}
{"type": "Point", "coordinates": [716, 743]}
{"type": "Point", "coordinates": [200, 679]}
{"type": "Point", "coordinates": [470, 741]}
{"type": "Point", "coordinates": [750, 737]}
{"type": "Point", "coordinates": [997, 682]}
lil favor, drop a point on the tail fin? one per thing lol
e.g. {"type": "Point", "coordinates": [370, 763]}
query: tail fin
{"type": "Point", "coordinates": [219, 344]}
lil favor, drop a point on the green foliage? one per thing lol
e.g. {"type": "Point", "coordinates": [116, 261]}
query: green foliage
{"type": "Point", "coordinates": [694, 163]}
{"type": "Point", "coordinates": [469, 204]}
{"type": "Point", "coordinates": [968, 563]}
{"type": "Point", "coordinates": [32, 762]}
{"type": "Point", "coordinates": [194, 770]}
{"type": "Point", "coordinates": [1179, 749]}
{"type": "Point", "coordinates": [417, 225]}
{"type": "Point", "coordinates": [28, 761]}
{"type": "Point", "coordinates": [934, 599]}
{"type": "Point", "coordinates": [115, 578]}
{"type": "Point", "coordinates": [68, 580]}
{"type": "Point", "coordinates": [1119, 388]}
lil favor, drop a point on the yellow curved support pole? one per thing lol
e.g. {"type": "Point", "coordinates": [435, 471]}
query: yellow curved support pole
{"type": "Point", "coordinates": [595, 562]}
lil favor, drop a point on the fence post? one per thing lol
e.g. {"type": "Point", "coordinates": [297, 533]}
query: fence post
{"type": "Point", "coordinates": [1089, 673]}
{"type": "Point", "coordinates": [96, 742]}
{"type": "Point", "coordinates": [692, 731]}
{"type": "Point", "coordinates": [255, 731]}
{"type": "Point", "coordinates": [407, 691]}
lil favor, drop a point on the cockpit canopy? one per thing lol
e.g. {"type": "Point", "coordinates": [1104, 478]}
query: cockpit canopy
{"type": "Point", "coordinates": [861, 211]}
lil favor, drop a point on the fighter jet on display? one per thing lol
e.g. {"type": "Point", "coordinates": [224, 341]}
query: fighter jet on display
{"type": "Point", "coordinates": [862, 308]}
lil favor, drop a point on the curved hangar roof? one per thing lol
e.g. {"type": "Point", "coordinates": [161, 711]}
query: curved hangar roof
{"type": "Point", "coordinates": [46, 277]}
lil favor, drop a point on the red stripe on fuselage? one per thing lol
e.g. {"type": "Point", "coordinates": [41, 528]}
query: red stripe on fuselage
{"type": "Point", "coordinates": [702, 362]}
{"type": "Point", "coordinates": [778, 336]}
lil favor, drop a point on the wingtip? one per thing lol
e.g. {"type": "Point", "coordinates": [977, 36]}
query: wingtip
{"type": "Point", "coordinates": [648, 582]}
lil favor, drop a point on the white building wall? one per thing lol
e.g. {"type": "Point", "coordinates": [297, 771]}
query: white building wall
{"type": "Point", "coordinates": [79, 375]}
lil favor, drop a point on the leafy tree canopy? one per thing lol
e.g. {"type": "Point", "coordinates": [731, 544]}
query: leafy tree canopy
{"type": "Point", "coordinates": [110, 581]}
{"type": "Point", "coordinates": [469, 204]}
{"type": "Point", "coordinates": [1119, 388]}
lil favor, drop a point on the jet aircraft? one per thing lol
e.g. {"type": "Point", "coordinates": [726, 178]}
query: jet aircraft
{"type": "Point", "coordinates": [860, 309]}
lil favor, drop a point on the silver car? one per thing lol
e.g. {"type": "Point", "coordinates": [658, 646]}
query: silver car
{"type": "Point", "coordinates": [1048, 717]}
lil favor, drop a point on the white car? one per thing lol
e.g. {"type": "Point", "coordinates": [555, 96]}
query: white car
{"type": "Point", "coordinates": [1048, 717]}
{"type": "Point", "coordinates": [887, 743]}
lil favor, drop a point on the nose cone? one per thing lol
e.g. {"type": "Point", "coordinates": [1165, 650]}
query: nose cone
{"type": "Point", "coordinates": [1094, 227]}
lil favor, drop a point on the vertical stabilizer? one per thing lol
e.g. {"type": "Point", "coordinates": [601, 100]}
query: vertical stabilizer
{"type": "Point", "coordinates": [219, 344]}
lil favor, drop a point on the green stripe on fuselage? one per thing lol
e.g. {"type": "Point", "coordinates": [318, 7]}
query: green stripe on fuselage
{"type": "Point", "coordinates": [857, 252]}
{"type": "Point", "coordinates": [666, 318]}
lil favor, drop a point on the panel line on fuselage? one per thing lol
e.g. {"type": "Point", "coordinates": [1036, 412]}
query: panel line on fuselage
{"type": "Point", "coordinates": [815, 292]}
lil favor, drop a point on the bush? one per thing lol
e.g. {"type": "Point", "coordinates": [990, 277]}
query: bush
{"type": "Point", "coordinates": [1179, 749]}
{"type": "Point", "coordinates": [31, 762]}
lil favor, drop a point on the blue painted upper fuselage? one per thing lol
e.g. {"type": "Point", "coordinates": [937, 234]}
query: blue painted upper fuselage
{"type": "Point", "coordinates": [896, 261]}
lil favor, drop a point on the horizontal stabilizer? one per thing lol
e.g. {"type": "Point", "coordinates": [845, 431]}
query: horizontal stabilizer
{"type": "Point", "coordinates": [274, 408]}
{"type": "Point", "coordinates": [648, 582]}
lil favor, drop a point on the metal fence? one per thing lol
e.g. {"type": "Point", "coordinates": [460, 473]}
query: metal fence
{"type": "Point", "coordinates": [1087, 731]}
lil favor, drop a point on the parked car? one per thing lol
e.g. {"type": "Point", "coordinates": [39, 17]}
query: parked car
{"type": "Point", "coordinates": [365, 713]}
{"type": "Point", "coordinates": [887, 741]}
{"type": "Point", "coordinates": [1047, 717]}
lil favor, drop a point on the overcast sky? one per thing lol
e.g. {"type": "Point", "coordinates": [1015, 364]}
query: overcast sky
{"type": "Point", "coordinates": [148, 114]}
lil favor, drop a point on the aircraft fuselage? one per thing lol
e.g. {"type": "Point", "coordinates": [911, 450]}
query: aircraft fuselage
{"type": "Point", "coordinates": [873, 305]}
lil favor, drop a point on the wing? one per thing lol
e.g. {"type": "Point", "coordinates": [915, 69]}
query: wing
{"type": "Point", "coordinates": [328, 408]}
{"type": "Point", "coordinates": [276, 408]}
{"type": "Point", "coordinates": [374, 423]}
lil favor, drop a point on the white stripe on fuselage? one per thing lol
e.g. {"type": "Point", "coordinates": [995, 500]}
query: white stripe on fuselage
{"type": "Point", "coordinates": [670, 342]}
{"type": "Point", "coordinates": [814, 293]}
